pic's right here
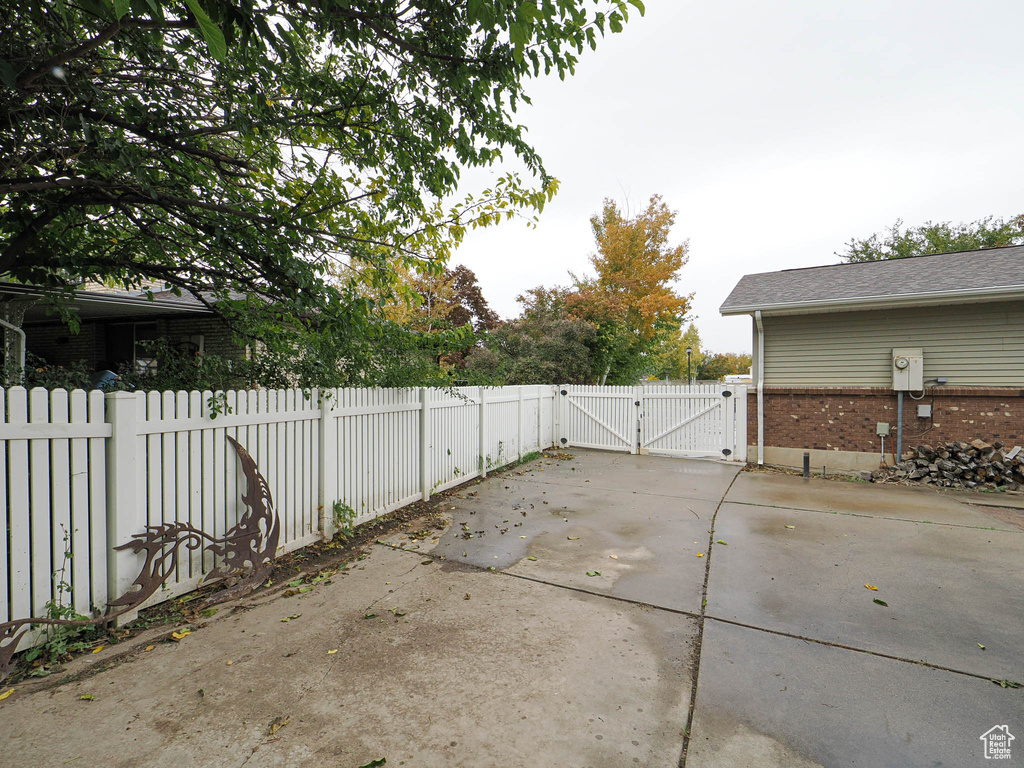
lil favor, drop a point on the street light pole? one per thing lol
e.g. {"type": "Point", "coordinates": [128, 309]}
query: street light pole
{"type": "Point", "coordinates": [689, 351]}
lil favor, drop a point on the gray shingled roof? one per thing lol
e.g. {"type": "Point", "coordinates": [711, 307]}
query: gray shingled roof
{"type": "Point", "coordinates": [936, 278]}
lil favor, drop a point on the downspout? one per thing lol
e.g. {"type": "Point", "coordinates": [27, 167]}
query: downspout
{"type": "Point", "coordinates": [21, 348]}
{"type": "Point", "coordinates": [760, 387]}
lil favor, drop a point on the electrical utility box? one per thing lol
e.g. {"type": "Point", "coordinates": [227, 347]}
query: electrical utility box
{"type": "Point", "coordinates": [908, 370]}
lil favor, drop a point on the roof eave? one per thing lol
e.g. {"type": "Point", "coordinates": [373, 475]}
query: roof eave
{"type": "Point", "coordinates": [932, 298]}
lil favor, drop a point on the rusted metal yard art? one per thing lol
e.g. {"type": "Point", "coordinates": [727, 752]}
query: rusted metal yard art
{"type": "Point", "coordinates": [245, 554]}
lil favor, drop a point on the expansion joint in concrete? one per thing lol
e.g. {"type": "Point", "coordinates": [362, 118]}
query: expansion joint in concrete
{"type": "Point", "coordinates": [699, 640]}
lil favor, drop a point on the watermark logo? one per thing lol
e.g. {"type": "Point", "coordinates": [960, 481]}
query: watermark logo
{"type": "Point", "coordinates": [997, 742]}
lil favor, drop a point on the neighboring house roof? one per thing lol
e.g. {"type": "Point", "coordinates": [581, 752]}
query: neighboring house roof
{"type": "Point", "coordinates": [946, 278]}
{"type": "Point", "coordinates": [107, 305]}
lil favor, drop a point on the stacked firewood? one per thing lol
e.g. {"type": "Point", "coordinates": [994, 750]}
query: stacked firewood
{"type": "Point", "coordinates": [976, 464]}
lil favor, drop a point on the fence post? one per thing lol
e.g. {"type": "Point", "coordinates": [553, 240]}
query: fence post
{"type": "Point", "coordinates": [328, 461]}
{"type": "Point", "coordinates": [425, 442]}
{"type": "Point", "coordinates": [540, 418]}
{"type": "Point", "coordinates": [483, 431]}
{"type": "Point", "coordinates": [124, 517]}
{"type": "Point", "coordinates": [560, 409]}
{"type": "Point", "coordinates": [638, 415]}
{"type": "Point", "coordinates": [519, 426]}
{"type": "Point", "coordinates": [729, 449]}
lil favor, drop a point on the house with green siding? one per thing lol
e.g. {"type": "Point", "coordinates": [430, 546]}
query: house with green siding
{"type": "Point", "coordinates": [852, 361]}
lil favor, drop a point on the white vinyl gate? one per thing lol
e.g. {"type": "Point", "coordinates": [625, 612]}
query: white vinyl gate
{"type": "Point", "coordinates": [708, 421]}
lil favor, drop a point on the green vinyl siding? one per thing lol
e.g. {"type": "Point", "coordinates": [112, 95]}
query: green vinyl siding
{"type": "Point", "coordinates": [969, 344]}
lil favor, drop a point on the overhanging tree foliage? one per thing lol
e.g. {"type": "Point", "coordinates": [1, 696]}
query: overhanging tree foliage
{"type": "Point", "coordinates": [898, 242]}
{"type": "Point", "coordinates": [262, 147]}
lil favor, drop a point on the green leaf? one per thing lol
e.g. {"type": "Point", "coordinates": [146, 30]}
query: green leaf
{"type": "Point", "coordinates": [593, 573]}
{"type": "Point", "coordinates": [375, 763]}
{"type": "Point", "coordinates": [791, 526]}
{"type": "Point", "coordinates": [724, 543]}
{"type": "Point", "coordinates": [370, 616]}
{"type": "Point", "coordinates": [638, 5]}
{"type": "Point", "coordinates": [121, 7]}
{"type": "Point", "coordinates": [881, 602]}
{"type": "Point", "coordinates": [296, 583]}
{"type": "Point", "coordinates": [307, 588]}
{"type": "Point", "coordinates": [211, 32]}
{"type": "Point", "coordinates": [531, 557]}
{"type": "Point", "coordinates": [7, 76]}
{"type": "Point", "coordinates": [981, 646]}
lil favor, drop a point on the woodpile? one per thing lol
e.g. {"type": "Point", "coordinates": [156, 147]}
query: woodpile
{"type": "Point", "coordinates": [976, 464]}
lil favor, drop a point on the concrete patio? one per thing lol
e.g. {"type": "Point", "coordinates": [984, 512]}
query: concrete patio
{"type": "Point", "coordinates": [724, 622]}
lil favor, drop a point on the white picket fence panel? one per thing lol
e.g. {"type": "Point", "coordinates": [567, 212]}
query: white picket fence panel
{"type": "Point", "coordinates": [601, 417]}
{"type": "Point", "coordinates": [700, 421]}
{"type": "Point", "coordinates": [696, 421]}
{"type": "Point", "coordinates": [99, 468]}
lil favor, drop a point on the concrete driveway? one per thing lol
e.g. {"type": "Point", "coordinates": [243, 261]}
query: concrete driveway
{"type": "Point", "coordinates": [608, 610]}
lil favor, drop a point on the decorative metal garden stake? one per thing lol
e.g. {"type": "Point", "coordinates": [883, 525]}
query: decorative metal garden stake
{"type": "Point", "coordinates": [246, 553]}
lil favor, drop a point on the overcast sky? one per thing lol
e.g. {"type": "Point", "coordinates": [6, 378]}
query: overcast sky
{"type": "Point", "coordinates": [778, 131]}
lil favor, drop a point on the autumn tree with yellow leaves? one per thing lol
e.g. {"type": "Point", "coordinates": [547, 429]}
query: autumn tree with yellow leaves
{"type": "Point", "coordinates": [636, 267]}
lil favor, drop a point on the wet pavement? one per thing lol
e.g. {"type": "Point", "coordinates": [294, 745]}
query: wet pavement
{"type": "Point", "coordinates": [592, 612]}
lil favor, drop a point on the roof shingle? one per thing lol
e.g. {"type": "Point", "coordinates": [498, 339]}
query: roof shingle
{"type": "Point", "coordinates": [964, 272]}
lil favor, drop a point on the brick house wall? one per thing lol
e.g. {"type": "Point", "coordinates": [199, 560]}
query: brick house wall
{"type": "Point", "coordinates": [58, 346]}
{"type": "Point", "coordinates": [844, 418]}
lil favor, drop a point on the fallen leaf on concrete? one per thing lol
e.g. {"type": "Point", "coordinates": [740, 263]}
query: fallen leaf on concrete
{"type": "Point", "coordinates": [179, 636]}
{"type": "Point", "coordinates": [531, 557]}
{"type": "Point", "coordinates": [150, 647]}
{"type": "Point", "coordinates": [5, 694]}
{"type": "Point", "coordinates": [1006, 683]}
{"type": "Point", "coordinates": [981, 646]}
{"type": "Point", "coordinates": [881, 602]}
{"type": "Point", "coordinates": [375, 763]}
{"type": "Point", "coordinates": [614, 557]}
{"type": "Point", "coordinates": [724, 543]}
{"type": "Point", "coordinates": [305, 589]}
{"type": "Point", "coordinates": [700, 554]}
{"type": "Point", "coordinates": [573, 538]}
{"type": "Point", "coordinates": [87, 697]}
{"type": "Point", "coordinates": [593, 573]}
{"type": "Point", "coordinates": [522, 537]}
{"type": "Point", "coordinates": [426, 562]}
{"type": "Point", "coordinates": [332, 651]}
{"type": "Point", "coordinates": [97, 649]}
{"type": "Point", "coordinates": [277, 724]}
{"type": "Point", "coordinates": [370, 616]}
{"type": "Point", "coordinates": [871, 587]}
{"type": "Point", "coordinates": [296, 583]}
{"type": "Point", "coordinates": [286, 619]}
{"type": "Point", "coordinates": [467, 596]}
{"type": "Point", "coordinates": [397, 611]}
{"type": "Point", "coordinates": [791, 526]}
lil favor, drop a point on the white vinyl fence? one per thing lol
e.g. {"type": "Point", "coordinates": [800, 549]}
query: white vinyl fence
{"type": "Point", "coordinates": [80, 473]}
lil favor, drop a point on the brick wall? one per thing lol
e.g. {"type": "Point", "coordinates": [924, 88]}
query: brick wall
{"type": "Point", "coordinates": [217, 338]}
{"type": "Point", "coordinates": [844, 418]}
{"type": "Point", "coordinates": [58, 346]}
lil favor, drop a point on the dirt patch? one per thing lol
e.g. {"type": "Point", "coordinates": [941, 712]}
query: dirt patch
{"type": "Point", "coordinates": [771, 469]}
{"type": "Point", "coordinates": [1009, 515]}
